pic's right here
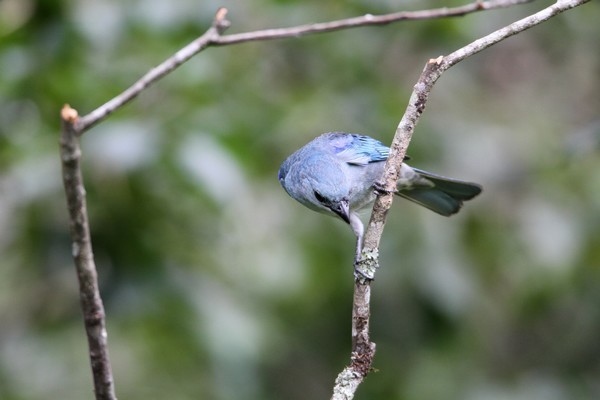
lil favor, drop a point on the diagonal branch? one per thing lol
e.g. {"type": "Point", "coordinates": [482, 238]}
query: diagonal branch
{"type": "Point", "coordinates": [363, 349]}
{"type": "Point", "coordinates": [213, 37]}
{"type": "Point", "coordinates": [210, 36]}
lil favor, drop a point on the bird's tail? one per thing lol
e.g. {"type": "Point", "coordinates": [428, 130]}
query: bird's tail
{"type": "Point", "coordinates": [444, 195]}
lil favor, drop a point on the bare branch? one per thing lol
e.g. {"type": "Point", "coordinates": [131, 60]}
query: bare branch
{"type": "Point", "coordinates": [363, 349]}
{"type": "Point", "coordinates": [218, 26]}
{"type": "Point", "coordinates": [213, 37]}
{"type": "Point", "coordinates": [366, 20]}
{"type": "Point", "coordinates": [91, 303]}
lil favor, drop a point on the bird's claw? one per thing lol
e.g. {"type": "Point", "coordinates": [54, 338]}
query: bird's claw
{"type": "Point", "coordinates": [380, 189]}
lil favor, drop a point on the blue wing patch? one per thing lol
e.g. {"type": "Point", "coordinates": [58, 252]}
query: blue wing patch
{"type": "Point", "coordinates": [357, 149]}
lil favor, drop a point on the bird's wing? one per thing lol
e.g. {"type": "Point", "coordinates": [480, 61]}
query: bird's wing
{"type": "Point", "coordinates": [357, 149]}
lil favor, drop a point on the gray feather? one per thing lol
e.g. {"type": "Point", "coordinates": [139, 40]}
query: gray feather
{"type": "Point", "coordinates": [445, 196]}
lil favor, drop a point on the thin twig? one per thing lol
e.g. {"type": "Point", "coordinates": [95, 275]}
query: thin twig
{"type": "Point", "coordinates": [367, 20]}
{"type": "Point", "coordinates": [213, 37]}
{"type": "Point", "coordinates": [91, 303]}
{"type": "Point", "coordinates": [363, 349]}
{"type": "Point", "coordinates": [219, 25]}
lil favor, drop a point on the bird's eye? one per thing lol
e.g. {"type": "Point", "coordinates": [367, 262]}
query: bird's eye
{"type": "Point", "coordinates": [319, 197]}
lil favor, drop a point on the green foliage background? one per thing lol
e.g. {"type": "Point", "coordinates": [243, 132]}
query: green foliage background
{"type": "Point", "coordinates": [219, 286]}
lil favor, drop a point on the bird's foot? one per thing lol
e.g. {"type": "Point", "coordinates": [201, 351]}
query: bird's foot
{"type": "Point", "coordinates": [380, 189]}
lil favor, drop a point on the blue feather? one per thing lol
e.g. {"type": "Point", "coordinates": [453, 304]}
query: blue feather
{"type": "Point", "coordinates": [357, 149]}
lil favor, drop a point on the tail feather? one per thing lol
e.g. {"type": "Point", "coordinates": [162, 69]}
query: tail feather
{"type": "Point", "coordinates": [444, 197]}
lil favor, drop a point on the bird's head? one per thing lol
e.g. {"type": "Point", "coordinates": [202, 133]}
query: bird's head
{"type": "Point", "coordinates": [322, 186]}
{"type": "Point", "coordinates": [331, 201]}
{"type": "Point", "coordinates": [318, 182]}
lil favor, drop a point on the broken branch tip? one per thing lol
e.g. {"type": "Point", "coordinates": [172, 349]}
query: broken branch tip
{"type": "Point", "coordinates": [221, 14]}
{"type": "Point", "coordinates": [436, 61]}
{"type": "Point", "coordinates": [69, 114]}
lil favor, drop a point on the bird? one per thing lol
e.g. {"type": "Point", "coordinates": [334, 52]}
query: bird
{"type": "Point", "coordinates": [340, 173]}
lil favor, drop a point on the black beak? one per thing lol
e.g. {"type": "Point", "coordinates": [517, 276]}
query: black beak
{"type": "Point", "coordinates": [342, 209]}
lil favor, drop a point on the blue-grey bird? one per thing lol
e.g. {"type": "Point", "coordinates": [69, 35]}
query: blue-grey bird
{"type": "Point", "coordinates": [338, 173]}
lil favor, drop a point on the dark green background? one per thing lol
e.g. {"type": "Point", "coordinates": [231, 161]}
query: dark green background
{"type": "Point", "coordinates": [219, 286]}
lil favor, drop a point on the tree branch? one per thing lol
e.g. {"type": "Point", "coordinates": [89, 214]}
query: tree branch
{"type": "Point", "coordinates": [210, 36]}
{"type": "Point", "coordinates": [213, 37]}
{"type": "Point", "coordinates": [91, 303]}
{"type": "Point", "coordinates": [362, 348]}
{"type": "Point", "coordinates": [366, 20]}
